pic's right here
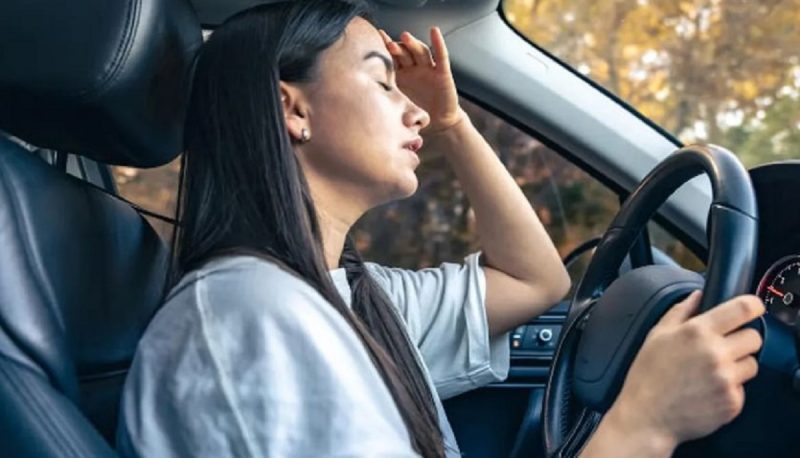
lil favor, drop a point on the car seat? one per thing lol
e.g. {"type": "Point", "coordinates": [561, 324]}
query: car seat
{"type": "Point", "coordinates": [81, 271]}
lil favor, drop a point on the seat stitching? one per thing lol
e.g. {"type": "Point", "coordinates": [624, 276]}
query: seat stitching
{"type": "Point", "coordinates": [120, 53]}
{"type": "Point", "coordinates": [45, 418]}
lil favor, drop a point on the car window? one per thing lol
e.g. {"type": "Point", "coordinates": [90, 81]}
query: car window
{"type": "Point", "coordinates": [155, 190]}
{"type": "Point", "coordinates": [719, 71]}
{"type": "Point", "coordinates": [663, 240]}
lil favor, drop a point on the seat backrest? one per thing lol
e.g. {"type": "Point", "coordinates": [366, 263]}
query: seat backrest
{"type": "Point", "coordinates": [81, 273]}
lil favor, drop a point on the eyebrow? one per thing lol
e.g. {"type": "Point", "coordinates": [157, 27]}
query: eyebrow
{"type": "Point", "coordinates": [386, 61]}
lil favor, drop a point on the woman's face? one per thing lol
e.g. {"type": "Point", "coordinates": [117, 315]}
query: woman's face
{"type": "Point", "coordinates": [364, 131]}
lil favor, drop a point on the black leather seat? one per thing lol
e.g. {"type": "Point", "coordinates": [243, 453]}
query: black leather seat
{"type": "Point", "coordinates": [81, 272]}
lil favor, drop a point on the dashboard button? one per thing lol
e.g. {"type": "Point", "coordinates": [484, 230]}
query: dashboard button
{"type": "Point", "coordinates": [517, 337]}
{"type": "Point", "coordinates": [540, 337]}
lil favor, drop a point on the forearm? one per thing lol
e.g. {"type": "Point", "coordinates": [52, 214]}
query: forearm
{"type": "Point", "coordinates": [513, 239]}
{"type": "Point", "coordinates": [617, 438]}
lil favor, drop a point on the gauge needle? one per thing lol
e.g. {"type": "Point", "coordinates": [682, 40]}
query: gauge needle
{"type": "Point", "coordinates": [775, 291]}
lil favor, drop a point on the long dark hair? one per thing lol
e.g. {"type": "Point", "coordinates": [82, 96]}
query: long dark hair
{"type": "Point", "coordinates": [243, 190]}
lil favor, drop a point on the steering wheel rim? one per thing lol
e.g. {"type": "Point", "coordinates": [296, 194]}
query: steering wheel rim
{"type": "Point", "coordinates": [732, 234]}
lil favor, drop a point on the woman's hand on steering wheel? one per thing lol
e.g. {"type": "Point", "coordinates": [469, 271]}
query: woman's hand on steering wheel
{"type": "Point", "coordinates": [708, 356]}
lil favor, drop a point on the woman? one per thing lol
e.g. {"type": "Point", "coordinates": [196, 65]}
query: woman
{"type": "Point", "coordinates": [278, 340]}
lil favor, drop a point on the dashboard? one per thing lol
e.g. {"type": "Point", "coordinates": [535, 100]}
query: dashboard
{"type": "Point", "coordinates": [777, 275]}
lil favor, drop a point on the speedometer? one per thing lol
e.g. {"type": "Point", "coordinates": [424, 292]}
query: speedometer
{"type": "Point", "coordinates": [779, 288]}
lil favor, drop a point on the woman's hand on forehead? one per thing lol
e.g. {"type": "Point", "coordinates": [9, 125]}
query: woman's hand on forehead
{"type": "Point", "coordinates": [423, 74]}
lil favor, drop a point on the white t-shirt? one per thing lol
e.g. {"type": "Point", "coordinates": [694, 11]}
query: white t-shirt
{"type": "Point", "coordinates": [245, 359]}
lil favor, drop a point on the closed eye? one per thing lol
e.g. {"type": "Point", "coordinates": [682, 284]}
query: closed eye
{"type": "Point", "coordinates": [386, 87]}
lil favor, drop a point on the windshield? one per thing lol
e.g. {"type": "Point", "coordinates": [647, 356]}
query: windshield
{"type": "Point", "coordinates": [717, 71]}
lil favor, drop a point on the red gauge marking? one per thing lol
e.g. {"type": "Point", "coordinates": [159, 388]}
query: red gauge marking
{"type": "Point", "coordinates": [775, 291]}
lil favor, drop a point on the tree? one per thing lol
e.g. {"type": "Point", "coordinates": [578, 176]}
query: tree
{"type": "Point", "coordinates": [693, 66]}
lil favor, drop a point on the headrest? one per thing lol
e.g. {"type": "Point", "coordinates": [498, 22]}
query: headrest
{"type": "Point", "coordinates": [109, 80]}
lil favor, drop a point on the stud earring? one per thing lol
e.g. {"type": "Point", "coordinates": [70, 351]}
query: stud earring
{"type": "Point", "coordinates": [305, 135]}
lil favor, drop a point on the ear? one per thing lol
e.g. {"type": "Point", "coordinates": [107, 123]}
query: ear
{"type": "Point", "coordinates": [295, 110]}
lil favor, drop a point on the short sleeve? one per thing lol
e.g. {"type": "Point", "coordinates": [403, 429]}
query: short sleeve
{"type": "Point", "coordinates": [444, 309]}
{"type": "Point", "coordinates": [253, 362]}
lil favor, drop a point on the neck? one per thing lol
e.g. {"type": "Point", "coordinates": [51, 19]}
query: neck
{"type": "Point", "coordinates": [337, 211]}
{"type": "Point", "coordinates": [336, 214]}
{"type": "Point", "coordinates": [334, 231]}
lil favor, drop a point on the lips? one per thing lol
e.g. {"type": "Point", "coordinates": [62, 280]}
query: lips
{"type": "Point", "coordinates": [413, 145]}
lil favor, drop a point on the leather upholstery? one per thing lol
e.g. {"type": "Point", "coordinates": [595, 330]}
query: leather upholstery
{"type": "Point", "coordinates": [82, 272]}
{"type": "Point", "coordinates": [105, 79]}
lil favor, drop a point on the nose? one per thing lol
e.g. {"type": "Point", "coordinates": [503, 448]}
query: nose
{"type": "Point", "coordinates": [415, 116]}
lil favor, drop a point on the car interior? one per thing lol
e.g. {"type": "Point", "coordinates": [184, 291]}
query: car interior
{"type": "Point", "coordinates": [90, 85]}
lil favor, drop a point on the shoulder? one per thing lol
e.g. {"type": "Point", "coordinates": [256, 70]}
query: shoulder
{"type": "Point", "coordinates": [245, 286]}
{"type": "Point", "coordinates": [242, 301]}
{"type": "Point", "coordinates": [269, 357]}
{"type": "Point", "coordinates": [248, 309]}
{"type": "Point", "coordinates": [243, 277]}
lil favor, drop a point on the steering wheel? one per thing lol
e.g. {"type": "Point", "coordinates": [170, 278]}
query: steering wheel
{"type": "Point", "coordinates": [610, 315]}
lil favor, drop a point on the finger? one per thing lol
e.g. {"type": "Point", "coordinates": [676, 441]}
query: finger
{"type": "Point", "coordinates": [738, 403]}
{"type": "Point", "coordinates": [745, 369]}
{"type": "Point", "coordinates": [732, 315]}
{"type": "Point", "coordinates": [683, 310]}
{"type": "Point", "coordinates": [400, 54]}
{"type": "Point", "coordinates": [387, 41]}
{"type": "Point", "coordinates": [419, 50]}
{"type": "Point", "coordinates": [743, 342]}
{"type": "Point", "coordinates": [385, 36]}
{"type": "Point", "coordinates": [440, 54]}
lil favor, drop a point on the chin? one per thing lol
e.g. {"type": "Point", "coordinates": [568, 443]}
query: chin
{"type": "Point", "coordinates": [402, 188]}
{"type": "Point", "coordinates": [409, 186]}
